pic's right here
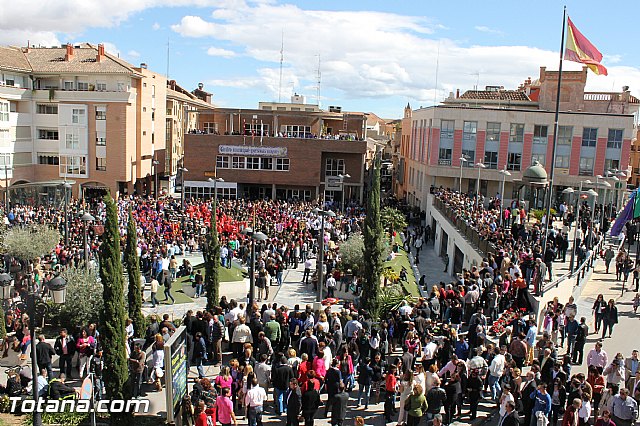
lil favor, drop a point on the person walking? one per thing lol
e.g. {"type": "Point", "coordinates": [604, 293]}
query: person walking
{"type": "Point", "coordinates": [610, 318]}
{"type": "Point", "coordinates": [310, 404]}
{"type": "Point", "coordinates": [136, 365]}
{"type": "Point", "coordinates": [254, 400]}
{"type": "Point", "coordinates": [154, 291]}
{"type": "Point", "coordinates": [166, 282]}
{"type": "Point", "coordinates": [293, 400]}
{"type": "Point", "coordinates": [339, 407]}
{"type": "Point", "coordinates": [415, 405]}
{"type": "Point", "coordinates": [624, 409]}
{"type": "Point", "coordinates": [44, 352]}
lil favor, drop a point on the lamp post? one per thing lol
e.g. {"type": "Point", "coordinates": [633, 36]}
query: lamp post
{"type": "Point", "coordinates": [155, 177]}
{"type": "Point", "coordinates": [342, 178]}
{"type": "Point", "coordinates": [255, 236]}
{"type": "Point", "coordinates": [575, 232]}
{"type": "Point", "coordinates": [6, 188]}
{"type": "Point", "coordinates": [322, 214]}
{"type": "Point", "coordinates": [463, 159]}
{"type": "Point", "coordinates": [480, 166]}
{"type": "Point", "coordinates": [603, 214]}
{"type": "Point", "coordinates": [86, 218]}
{"type": "Point", "coordinates": [183, 170]}
{"type": "Point", "coordinates": [504, 172]}
{"type": "Point", "coordinates": [215, 181]}
{"type": "Point", "coordinates": [65, 187]}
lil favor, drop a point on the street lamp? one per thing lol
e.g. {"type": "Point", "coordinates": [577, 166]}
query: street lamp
{"type": "Point", "coordinates": [183, 170]}
{"type": "Point", "coordinates": [322, 214]}
{"type": "Point", "coordinates": [155, 176]}
{"type": "Point", "coordinates": [575, 232]}
{"type": "Point", "coordinates": [463, 159]}
{"type": "Point", "coordinates": [65, 187]}
{"type": "Point", "coordinates": [255, 236]}
{"type": "Point", "coordinates": [504, 172]}
{"type": "Point", "coordinates": [6, 188]}
{"type": "Point", "coordinates": [342, 178]}
{"type": "Point", "coordinates": [215, 181]}
{"type": "Point", "coordinates": [603, 215]}
{"type": "Point", "coordinates": [480, 166]}
{"type": "Point", "coordinates": [86, 218]}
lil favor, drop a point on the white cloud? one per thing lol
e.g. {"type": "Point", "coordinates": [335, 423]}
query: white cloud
{"type": "Point", "coordinates": [155, 26]}
{"type": "Point", "coordinates": [216, 51]}
{"type": "Point", "coordinates": [267, 81]}
{"type": "Point", "coordinates": [485, 29]}
{"type": "Point", "coordinates": [133, 54]}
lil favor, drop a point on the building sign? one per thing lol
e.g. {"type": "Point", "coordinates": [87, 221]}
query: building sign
{"type": "Point", "coordinates": [334, 183]}
{"type": "Point", "coordinates": [253, 151]}
{"type": "Point", "coordinates": [175, 358]}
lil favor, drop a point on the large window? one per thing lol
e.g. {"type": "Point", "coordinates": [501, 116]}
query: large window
{"type": "Point", "coordinates": [493, 132]}
{"type": "Point", "coordinates": [444, 157]}
{"type": "Point", "coordinates": [491, 159]}
{"type": "Point", "coordinates": [470, 155]}
{"type": "Point", "coordinates": [101, 86]}
{"type": "Point", "coordinates": [516, 133]}
{"type": "Point", "coordinates": [266, 163]}
{"type": "Point", "coordinates": [101, 164]}
{"type": "Point", "coordinates": [48, 134]}
{"type": "Point", "coordinates": [446, 129]}
{"type": "Point", "coordinates": [614, 139]}
{"type": "Point", "coordinates": [586, 166]}
{"type": "Point", "coordinates": [238, 162]}
{"type": "Point", "coordinates": [334, 167]}
{"type": "Point", "coordinates": [47, 109]}
{"type": "Point", "coordinates": [72, 141]}
{"type": "Point", "coordinates": [540, 158]}
{"type": "Point", "coordinates": [222, 162]}
{"type": "Point", "coordinates": [469, 130]}
{"type": "Point", "coordinates": [290, 131]}
{"type": "Point", "coordinates": [82, 85]}
{"type": "Point", "coordinates": [589, 136]}
{"type": "Point", "coordinates": [4, 111]}
{"type": "Point", "coordinates": [101, 113]}
{"type": "Point", "coordinates": [610, 164]}
{"type": "Point", "coordinates": [210, 127]}
{"type": "Point", "coordinates": [282, 164]}
{"type": "Point", "coordinates": [253, 163]}
{"type": "Point", "coordinates": [540, 134]}
{"type": "Point", "coordinates": [562, 161]}
{"type": "Point", "coordinates": [48, 159]}
{"type": "Point", "coordinates": [565, 134]}
{"type": "Point", "coordinates": [78, 116]}
{"type": "Point", "coordinates": [514, 161]}
{"type": "Point", "coordinates": [73, 165]}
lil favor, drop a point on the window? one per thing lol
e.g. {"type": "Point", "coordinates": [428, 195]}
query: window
{"type": "Point", "coordinates": [121, 86]}
{"type": "Point", "coordinates": [47, 109]}
{"type": "Point", "coordinates": [4, 111]}
{"type": "Point", "coordinates": [493, 132]}
{"type": "Point", "coordinates": [101, 141]}
{"type": "Point", "coordinates": [282, 164]}
{"type": "Point", "coordinates": [611, 164]}
{"type": "Point", "coordinates": [334, 167]}
{"type": "Point", "coordinates": [101, 113]}
{"type": "Point", "coordinates": [514, 160]}
{"type": "Point", "coordinates": [48, 159]}
{"type": "Point", "coordinates": [469, 130]}
{"type": "Point", "coordinates": [77, 116]}
{"type": "Point", "coordinates": [68, 85]}
{"type": "Point", "coordinates": [540, 134]}
{"type": "Point", "coordinates": [589, 136]}
{"type": "Point", "coordinates": [470, 155]}
{"type": "Point", "coordinates": [614, 139]}
{"type": "Point", "coordinates": [238, 162]}
{"type": "Point", "coordinates": [290, 131]}
{"type": "Point", "coordinates": [51, 135]}
{"type": "Point", "coordinates": [586, 166]}
{"type": "Point", "coordinates": [153, 115]}
{"type": "Point", "coordinates": [266, 163]}
{"type": "Point", "coordinates": [446, 129]}
{"type": "Point", "coordinates": [565, 134]}
{"type": "Point", "coordinates": [444, 157]}
{"type": "Point", "coordinates": [101, 86]}
{"type": "Point", "coordinates": [516, 133]}
{"type": "Point", "coordinates": [562, 161]}
{"type": "Point", "coordinates": [101, 164]}
{"type": "Point", "coordinates": [540, 158]}
{"type": "Point", "coordinates": [72, 141]}
{"type": "Point", "coordinates": [83, 86]}
{"type": "Point", "coordinates": [491, 159]}
{"type": "Point", "coordinates": [210, 127]}
{"type": "Point", "coordinates": [222, 162]}
{"type": "Point", "coordinates": [253, 163]}
{"type": "Point", "coordinates": [73, 165]}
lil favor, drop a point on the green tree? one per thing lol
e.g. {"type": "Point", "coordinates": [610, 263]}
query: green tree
{"type": "Point", "coordinates": [113, 334]}
{"type": "Point", "coordinates": [30, 242]}
{"type": "Point", "coordinates": [86, 300]}
{"type": "Point", "coordinates": [211, 252]}
{"type": "Point", "coordinates": [393, 219]}
{"type": "Point", "coordinates": [133, 272]}
{"type": "Point", "coordinates": [373, 245]}
{"type": "Point", "coordinates": [352, 253]}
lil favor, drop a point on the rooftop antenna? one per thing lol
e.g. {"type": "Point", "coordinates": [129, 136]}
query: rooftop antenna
{"type": "Point", "coordinates": [167, 58]}
{"type": "Point", "coordinates": [281, 61]}
{"type": "Point", "coordinates": [318, 87]}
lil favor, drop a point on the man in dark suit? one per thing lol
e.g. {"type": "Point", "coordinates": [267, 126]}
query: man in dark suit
{"type": "Point", "coordinates": [527, 403]}
{"type": "Point", "coordinates": [558, 373]}
{"type": "Point", "coordinates": [339, 407]}
{"type": "Point", "coordinates": [546, 365]}
{"type": "Point", "coordinates": [294, 402]}
{"type": "Point", "coordinates": [511, 416]}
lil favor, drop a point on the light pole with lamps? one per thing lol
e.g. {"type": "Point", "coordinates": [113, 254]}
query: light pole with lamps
{"type": "Point", "coordinates": [183, 170]}
{"type": "Point", "coordinates": [575, 232]}
{"type": "Point", "coordinates": [65, 187]}
{"type": "Point", "coordinates": [342, 178]}
{"type": "Point", "coordinates": [463, 160]}
{"type": "Point", "coordinates": [255, 236]}
{"type": "Point", "coordinates": [6, 187]}
{"type": "Point", "coordinates": [86, 218]}
{"type": "Point", "coordinates": [322, 214]}
{"type": "Point", "coordinates": [155, 177]}
{"type": "Point", "coordinates": [480, 166]}
{"type": "Point", "coordinates": [603, 214]}
{"type": "Point", "coordinates": [504, 172]}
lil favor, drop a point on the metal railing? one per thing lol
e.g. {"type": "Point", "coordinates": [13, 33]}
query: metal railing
{"type": "Point", "coordinates": [483, 246]}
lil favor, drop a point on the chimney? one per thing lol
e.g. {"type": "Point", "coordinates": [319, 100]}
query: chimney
{"type": "Point", "coordinates": [100, 55]}
{"type": "Point", "coordinates": [457, 93]}
{"type": "Point", "coordinates": [143, 65]}
{"type": "Point", "coordinates": [69, 55]}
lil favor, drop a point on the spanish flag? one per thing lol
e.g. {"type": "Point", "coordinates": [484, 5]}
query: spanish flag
{"type": "Point", "coordinates": [579, 49]}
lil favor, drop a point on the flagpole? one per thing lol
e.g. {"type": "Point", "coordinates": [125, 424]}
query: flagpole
{"type": "Point", "coordinates": [555, 136]}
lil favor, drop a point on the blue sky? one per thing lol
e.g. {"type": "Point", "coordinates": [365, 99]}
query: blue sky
{"type": "Point", "coordinates": [374, 55]}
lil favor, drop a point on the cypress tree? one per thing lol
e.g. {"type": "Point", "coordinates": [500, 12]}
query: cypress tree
{"type": "Point", "coordinates": [212, 261]}
{"type": "Point", "coordinates": [133, 271]}
{"type": "Point", "coordinates": [113, 336]}
{"type": "Point", "coordinates": [373, 245]}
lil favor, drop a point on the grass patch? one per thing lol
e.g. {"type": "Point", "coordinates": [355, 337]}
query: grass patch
{"type": "Point", "coordinates": [235, 273]}
{"type": "Point", "coordinates": [401, 259]}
